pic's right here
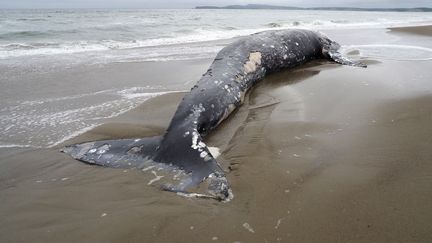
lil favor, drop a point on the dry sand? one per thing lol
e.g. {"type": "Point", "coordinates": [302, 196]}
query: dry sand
{"type": "Point", "coordinates": [322, 153]}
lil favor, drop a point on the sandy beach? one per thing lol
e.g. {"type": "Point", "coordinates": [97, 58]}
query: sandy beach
{"type": "Point", "coordinates": [320, 153]}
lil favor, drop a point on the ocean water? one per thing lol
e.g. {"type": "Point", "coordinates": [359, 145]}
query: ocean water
{"type": "Point", "coordinates": [38, 109]}
{"type": "Point", "coordinates": [137, 35]}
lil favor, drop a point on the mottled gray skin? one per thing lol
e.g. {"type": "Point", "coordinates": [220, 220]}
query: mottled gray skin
{"type": "Point", "coordinates": [236, 68]}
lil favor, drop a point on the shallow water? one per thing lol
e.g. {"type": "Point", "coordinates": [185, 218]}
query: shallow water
{"type": "Point", "coordinates": [46, 109]}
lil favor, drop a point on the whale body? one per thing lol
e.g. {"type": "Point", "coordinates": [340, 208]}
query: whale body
{"type": "Point", "coordinates": [236, 68]}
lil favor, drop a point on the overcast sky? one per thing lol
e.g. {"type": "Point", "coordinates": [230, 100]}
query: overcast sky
{"type": "Point", "coordinates": [193, 3]}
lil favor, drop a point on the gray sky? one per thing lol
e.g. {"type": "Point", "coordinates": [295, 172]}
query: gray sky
{"type": "Point", "coordinates": [193, 3]}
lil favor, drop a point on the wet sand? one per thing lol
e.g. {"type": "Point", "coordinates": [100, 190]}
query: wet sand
{"type": "Point", "coordinates": [322, 153]}
{"type": "Point", "coordinates": [418, 30]}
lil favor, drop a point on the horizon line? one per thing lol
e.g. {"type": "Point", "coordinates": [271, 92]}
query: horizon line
{"type": "Point", "coordinates": [194, 8]}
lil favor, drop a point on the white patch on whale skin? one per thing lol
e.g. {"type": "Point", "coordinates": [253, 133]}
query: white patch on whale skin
{"type": "Point", "coordinates": [201, 144]}
{"type": "Point", "coordinates": [195, 144]}
{"type": "Point", "coordinates": [102, 149]}
{"type": "Point", "coordinates": [226, 87]}
{"type": "Point", "coordinates": [178, 175]}
{"type": "Point", "coordinates": [196, 112]}
{"type": "Point", "coordinates": [203, 154]}
{"type": "Point", "coordinates": [253, 62]}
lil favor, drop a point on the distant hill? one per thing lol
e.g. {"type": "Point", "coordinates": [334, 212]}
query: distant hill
{"type": "Point", "coordinates": [264, 6]}
{"type": "Point", "coordinates": [249, 6]}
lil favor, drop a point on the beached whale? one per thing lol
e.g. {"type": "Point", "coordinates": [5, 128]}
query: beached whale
{"type": "Point", "coordinates": [236, 68]}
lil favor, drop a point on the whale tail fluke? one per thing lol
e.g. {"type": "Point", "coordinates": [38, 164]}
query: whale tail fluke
{"type": "Point", "coordinates": [185, 170]}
